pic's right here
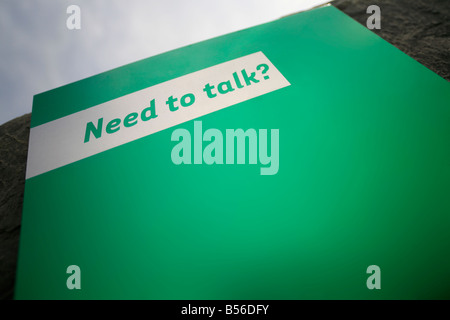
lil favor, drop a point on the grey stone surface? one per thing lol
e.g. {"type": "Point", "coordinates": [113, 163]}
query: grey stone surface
{"type": "Point", "coordinates": [13, 158]}
{"type": "Point", "coordinates": [419, 28]}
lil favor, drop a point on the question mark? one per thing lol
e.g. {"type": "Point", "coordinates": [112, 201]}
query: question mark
{"type": "Point", "coordinates": [265, 67]}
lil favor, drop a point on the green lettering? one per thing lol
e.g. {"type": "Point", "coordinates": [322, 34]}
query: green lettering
{"type": "Point", "coordinates": [153, 114]}
{"type": "Point", "coordinates": [97, 132]}
{"type": "Point", "coordinates": [129, 120]}
{"type": "Point", "coordinates": [113, 126]}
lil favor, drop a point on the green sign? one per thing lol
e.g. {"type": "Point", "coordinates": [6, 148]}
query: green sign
{"type": "Point", "coordinates": [304, 158]}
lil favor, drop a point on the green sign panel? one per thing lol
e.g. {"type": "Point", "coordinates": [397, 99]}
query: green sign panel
{"type": "Point", "coordinates": [304, 158]}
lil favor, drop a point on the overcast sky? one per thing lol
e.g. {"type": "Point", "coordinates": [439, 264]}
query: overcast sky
{"type": "Point", "coordinates": [38, 52]}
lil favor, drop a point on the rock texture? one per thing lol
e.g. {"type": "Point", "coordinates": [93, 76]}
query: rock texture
{"type": "Point", "coordinates": [419, 28]}
{"type": "Point", "coordinates": [13, 159]}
